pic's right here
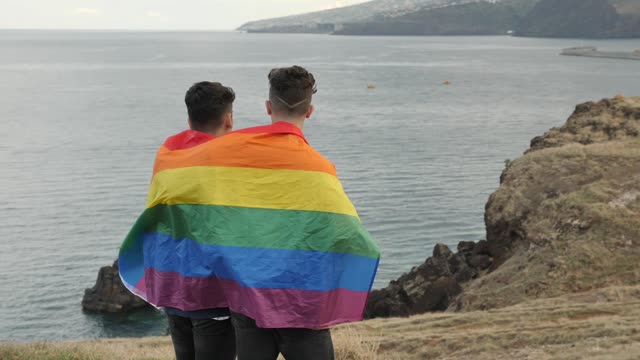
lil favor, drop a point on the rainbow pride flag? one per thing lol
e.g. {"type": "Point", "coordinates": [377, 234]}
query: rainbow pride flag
{"type": "Point", "coordinates": [256, 221]}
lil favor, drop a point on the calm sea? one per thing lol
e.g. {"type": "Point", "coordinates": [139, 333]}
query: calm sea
{"type": "Point", "coordinates": [82, 114]}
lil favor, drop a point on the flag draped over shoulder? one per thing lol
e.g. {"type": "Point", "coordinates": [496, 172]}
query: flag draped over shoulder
{"type": "Point", "coordinates": [255, 220]}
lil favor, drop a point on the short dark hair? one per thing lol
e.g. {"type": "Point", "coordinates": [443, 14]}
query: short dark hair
{"type": "Point", "coordinates": [207, 102]}
{"type": "Point", "coordinates": [291, 90]}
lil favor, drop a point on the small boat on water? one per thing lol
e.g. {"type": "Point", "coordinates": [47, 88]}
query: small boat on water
{"type": "Point", "coordinates": [590, 51]}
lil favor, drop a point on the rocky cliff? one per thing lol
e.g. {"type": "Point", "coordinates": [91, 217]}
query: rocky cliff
{"type": "Point", "coordinates": [565, 219]}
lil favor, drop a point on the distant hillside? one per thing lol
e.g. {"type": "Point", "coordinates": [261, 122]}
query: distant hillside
{"type": "Point", "coordinates": [324, 21]}
{"type": "Point", "coordinates": [481, 18]}
{"type": "Point", "coordinates": [532, 18]}
{"type": "Point", "coordinates": [582, 18]}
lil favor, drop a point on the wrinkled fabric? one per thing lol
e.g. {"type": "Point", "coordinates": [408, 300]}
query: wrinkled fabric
{"type": "Point", "coordinates": [256, 221]}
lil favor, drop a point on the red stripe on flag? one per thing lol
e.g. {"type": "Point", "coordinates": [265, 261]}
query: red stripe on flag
{"type": "Point", "coordinates": [187, 139]}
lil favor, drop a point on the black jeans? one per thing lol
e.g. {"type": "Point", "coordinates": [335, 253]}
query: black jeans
{"type": "Point", "coordinates": [202, 339]}
{"type": "Point", "coordinates": [255, 343]}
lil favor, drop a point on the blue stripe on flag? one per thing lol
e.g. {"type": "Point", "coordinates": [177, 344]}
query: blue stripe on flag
{"type": "Point", "coordinates": [261, 268]}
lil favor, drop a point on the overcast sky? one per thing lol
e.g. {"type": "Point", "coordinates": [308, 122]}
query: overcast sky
{"type": "Point", "coordinates": [150, 14]}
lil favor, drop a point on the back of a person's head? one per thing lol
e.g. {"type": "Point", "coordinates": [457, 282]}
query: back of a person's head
{"type": "Point", "coordinates": [207, 103]}
{"type": "Point", "coordinates": [291, 91]}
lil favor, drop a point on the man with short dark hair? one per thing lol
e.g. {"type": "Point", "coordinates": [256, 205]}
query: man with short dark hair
{"type": "Point", "coordinates": [210, 108]}
{"type": "Point", "coordinates": [207, 333]}
{"type": "Point", "coordinates": [290, 93]}
{"type": "Point", "coordinates": [198, 332]}
{"type": "Point", "coordinates": [289, 105]}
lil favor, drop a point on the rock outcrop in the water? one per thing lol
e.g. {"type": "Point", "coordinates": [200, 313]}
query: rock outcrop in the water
{"type": "Point", "coordinates": [565, 219]}
{"type": "Point", "coordinates": [109, 295]}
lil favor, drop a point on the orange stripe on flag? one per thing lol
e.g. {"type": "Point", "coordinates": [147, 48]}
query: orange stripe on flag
{"type": "Point", "coordinates": [261, 151]}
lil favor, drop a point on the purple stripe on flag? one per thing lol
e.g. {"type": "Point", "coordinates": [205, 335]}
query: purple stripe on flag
{"type": "Point", "coordinates": [287, 308]}
{"type": "Point", "coordinates": [170, 289]}
{"type": "Point", "coordinates": [271, 308]}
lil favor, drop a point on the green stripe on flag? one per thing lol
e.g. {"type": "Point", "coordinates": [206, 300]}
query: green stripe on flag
{"type": "Point", "coordinates": [258, 228]}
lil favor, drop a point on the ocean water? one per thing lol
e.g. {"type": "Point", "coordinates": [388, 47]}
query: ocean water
{"type": "Point", "coordinates": [82, 113]}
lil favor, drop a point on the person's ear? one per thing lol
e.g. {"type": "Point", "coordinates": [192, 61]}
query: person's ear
{"type": "Point", "coordinates": [269, 109]}
{"type": "Point", "coordinates": [228, 122]}
{"type": "Point", "coordinates": [311, 109]}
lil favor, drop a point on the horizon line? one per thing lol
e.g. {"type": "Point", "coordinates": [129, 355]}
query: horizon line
{"type": "Point", "coordinates": [120, 29]}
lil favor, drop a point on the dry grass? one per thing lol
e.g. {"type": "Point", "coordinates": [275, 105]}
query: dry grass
{"type": "Point", "coordinates": [353, 344]}
{"type": "Point", "coordinates": [350, 344]}
{"type": "Point", "coordinates": [597, 325]}
{"type": "Point", "coordinates": [124, 349]}
{"type": "Point", "coordinates": [602, 324]}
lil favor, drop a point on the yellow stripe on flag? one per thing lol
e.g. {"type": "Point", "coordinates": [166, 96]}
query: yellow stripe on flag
{"type": "Point", "coordinates": [251, 188]}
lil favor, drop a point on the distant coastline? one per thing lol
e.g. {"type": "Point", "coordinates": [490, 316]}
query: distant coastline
{"type": "Point", "coordinates": [590, 51]}
{"type": "Point", "coordinates": [594, 19]}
